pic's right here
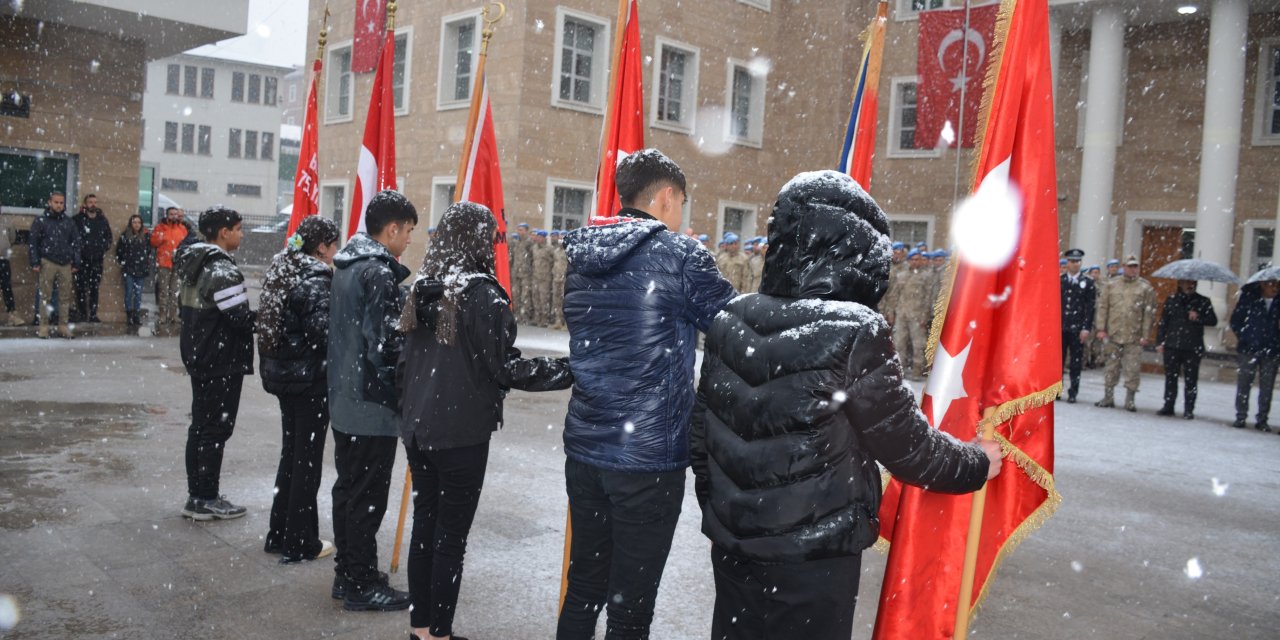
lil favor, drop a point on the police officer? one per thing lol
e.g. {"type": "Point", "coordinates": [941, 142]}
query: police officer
{"type": "Point", "coordinates": [1079, 297]}
{"type": "Point", "coordinates": [1124, 319]}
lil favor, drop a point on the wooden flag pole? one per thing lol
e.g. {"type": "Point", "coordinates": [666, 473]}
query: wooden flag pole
{"type": "Point", "coordinates": [404, 511]}
{"type": "Point", "coordinates": [974, 537]}
{"type": "Point", "coordinates": [473, 116]}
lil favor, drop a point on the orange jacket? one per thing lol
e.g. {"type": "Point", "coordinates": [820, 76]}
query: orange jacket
{"type": "Point", "coordinates": [165, 238]}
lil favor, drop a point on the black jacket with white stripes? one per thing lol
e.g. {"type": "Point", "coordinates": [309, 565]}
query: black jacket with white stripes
{"type": "Point", "coordinates": [217, 323]}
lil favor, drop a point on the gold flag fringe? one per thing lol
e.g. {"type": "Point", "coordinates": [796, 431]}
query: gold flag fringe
{"type": "Point", "coordinates": [1003, 16]}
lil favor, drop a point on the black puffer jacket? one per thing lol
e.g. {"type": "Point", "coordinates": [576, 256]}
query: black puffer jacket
{"type": "Point", "coordinates": [217, 323]}
{"type": "Point", "coordinates": [452, 394]}
{"type": "Point", "coordinates": [55, 237]}
{"type": "Point", "coordinates": [296, 365]}
{"type": "Point", "coordinates": [1177, 330]}
{"type": "Point", "coordinates": [134, 253]}
{"type": "Point", "coordinates": [802, 392]}
{"type": "Point", "coordinates": [95, 235]}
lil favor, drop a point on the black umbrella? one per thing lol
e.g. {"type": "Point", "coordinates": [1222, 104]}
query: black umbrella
{"type": "Point", "coordinates": [1191, 269]}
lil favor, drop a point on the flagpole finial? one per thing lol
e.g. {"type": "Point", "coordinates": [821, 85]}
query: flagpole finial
{"type": "Point", "coordinates": [487, 34]}
{"type": "Point", "coordinates": [391, 15]}
{"type": "Point", "coordinates": [323, 39]}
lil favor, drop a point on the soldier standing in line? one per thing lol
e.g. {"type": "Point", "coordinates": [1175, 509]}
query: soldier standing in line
{"type": "Point", "coordinates": [1124, 319]}
{"type": "Point", "coordinates": [755, 264]}
{"type": "Point", "coordinates": [521, 269]}
{"type": "Point", "coordinates": [912, 315]}
{"type": "Point", "coordinates": [706, 244]}
{"type": "Point", "coordinates": [897, 266]}
{"type": "Point", "coordinates": [541, 279]}
{"type": "Point", "coordinates": [1079, 297]}
{"type": "Point", "coordinates": [559, 267]}
{"type": "Point", "coordinates": [731, 262]}
{"type": "Point", "coordinates": [1096, 358]}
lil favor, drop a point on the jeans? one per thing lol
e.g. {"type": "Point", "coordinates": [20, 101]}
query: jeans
{"type": "Point", "coordinates": [812, 600]}
{"type": "Point", "coordinates": [446, 491]}
{"type": "Point", "coordinates": [133, 292]}
{"type": "Point", "coordinates": [623, 524]}
{"type": "Point", "coordinates": [1265, 368]}
{"type": "Point", "coordinates": [214, 405]}
{"type": "Point", "coordinates": [294, 524]}
{"type": "Point", "coordinates": [6, 284]}
{"type": "Point", "coordinates": [364, 466]}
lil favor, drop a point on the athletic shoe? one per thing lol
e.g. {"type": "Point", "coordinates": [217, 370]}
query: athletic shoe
{"type": "Point", "coordinates": [216, 509]}
{"type": "Point", "coordinates": [379, 596]}
{"type": "Point", "coordinates": [326, 550]}
{"type": "Point", "coordinates": [339, 590]}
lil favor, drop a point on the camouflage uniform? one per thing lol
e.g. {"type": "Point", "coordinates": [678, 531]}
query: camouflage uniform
{"type": "Point", "coordinates": [1126, 312]}
{"type": "Point", "coordinates": [543, 257]}
{"type": "Point", "coordinates": [521, 272]}
{"type": "Point", "coordinates": [733, 266]}
{"type": "Point", "coordinates": [755, 269]}
{"type": "Point", "coordinates": [889, 302]}
{"type": "Point", "coordinates": [559, 267]}
{"type": "Point", "coordinates": [913, 311]}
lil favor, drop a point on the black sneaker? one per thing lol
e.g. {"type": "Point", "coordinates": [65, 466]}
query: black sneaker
{"type": "Point", "coordinates": [1262, 426]}
{"type": "Point", "coordinates": [1166, 410]}
{"type": "Point", "coordinates": [379, 596]}
{"type": "Point", "coordinates": [1239, 423]}
{"type": "Point", "coordinates": [216, 509]}
{"type": "Point", "coordinates": [339, 590]}
{"type": "Point", "coordinates": [1189, 415]}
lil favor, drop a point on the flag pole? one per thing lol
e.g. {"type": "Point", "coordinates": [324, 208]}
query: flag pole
{"type": "Point", "coordinates": [476, 89]}
{"type": "Point", "coordinates": [985, 430]}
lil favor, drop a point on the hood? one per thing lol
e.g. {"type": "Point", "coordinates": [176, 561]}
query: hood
{"type": "Point", "coordinates": [597, 249]}
{"type": "Point", "coordinates": [191, 260]}
{"type": "Point", "coordinates": [827, 240]}
{"type": "Point", "coordinates": [363, 247]}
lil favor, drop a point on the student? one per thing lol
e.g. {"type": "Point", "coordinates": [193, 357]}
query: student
{"type": "Point", "coordinates": [133, 252]}
{"type": "Point", "coordinates": [293, 339]}
{"type": "Point", "coordinates": [801, 394]}
{"type": "Point", "coordinates": [457, 365]}
{"type": "Point", "coordinates": [217, 349]}
{"type": "Point", "coordinates": [364, 347]}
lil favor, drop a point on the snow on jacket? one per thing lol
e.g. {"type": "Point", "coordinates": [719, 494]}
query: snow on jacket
{"type": "Point", "coordinates": [133, 252]}
{"type": "Point", "coordinates": [95, 235]}
{"type": "Point", "coordinates": [636, 296]}
{"type": "Point", "coordinates": [364, 343]}
{"type": "Point", "coordinates": [296, 364]}
{"type": "Point", "coordinates": [1177, 330]}
{"type": "Point", "coordinates": [54, 237]}
{"type": "Point", "coordinates": [801, 392]}
{"type": "Point", "coordinates": [217, 323]}
{"type": "Point", "coordinates": [452, 394]}
{"type": "Point", "coordinates": [165, 238]}
{"type": "Point", "coordinates": [1256, 323]}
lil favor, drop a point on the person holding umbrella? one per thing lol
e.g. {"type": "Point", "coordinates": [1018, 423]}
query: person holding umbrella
{"type": "Point", "coordinates": [1256, 323]}
{"type": "Point", "coordinates": [1180, 339]}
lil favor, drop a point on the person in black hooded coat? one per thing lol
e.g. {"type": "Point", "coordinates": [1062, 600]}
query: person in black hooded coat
{"type": "Point", "coordinates": [458, 362]}
{"type": "Point", "coordinates": [801, 393]}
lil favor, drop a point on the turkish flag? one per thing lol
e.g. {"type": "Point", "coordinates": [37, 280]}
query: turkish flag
{"type": "Point", "coordinates": [998, 353]}
{"type": "Point", "coordinates": [624, 131]}
{"type": "Point", "coordinates": [952, 60]}
{"type": "Point", "coordinates": [376, 169]}
{"type": "Point", "coordinates": [371, 23]}
{"type": "Point", "coordinates": [482, 181]}
{"type": "Point", "coordinates": [306, 179]}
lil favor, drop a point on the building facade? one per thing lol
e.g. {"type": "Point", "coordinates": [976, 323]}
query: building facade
{"type": "Point", "coordinates": [212, 133]}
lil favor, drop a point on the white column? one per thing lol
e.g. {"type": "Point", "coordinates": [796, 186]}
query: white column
{"type": "Point", "coordinates": [1055, 53]}
{"type": "Point", "coordinates": [1101, 133]}
{"type": "Point", "coordinates": [1220, 149]}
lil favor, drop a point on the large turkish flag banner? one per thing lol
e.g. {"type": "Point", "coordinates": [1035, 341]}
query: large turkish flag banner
{"type": "Point", "coordinates": [371, 25]}
{"type": "Point", "coordinates": [952, 62]}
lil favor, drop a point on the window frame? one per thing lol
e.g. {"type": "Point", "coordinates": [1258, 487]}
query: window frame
{"type": "Point", "coordinates": [332, 92]}
{"type": "Point", "coordinates": [210, 74]}
{"type": "Point", "coordinates": [1264, 88]}
{"type": "Point", "coordinates": [579, 185]}
{"type": "Point", "coordinates": [176, 127]}
{"type": "Point", "coordinates": [190, 81]}
{"type": "Point", "coordinates": [688, 99]}
{"type": "Point", "coordinates": [250, 149]}
{"type": "Point", "coordinates": [237, 84]}
{"type": "Point", "coordinates": [204, 140]}
{"type": "Point", "coordinates": [600, 62]}
{"type": "Point", "coordinates": [902, 11]}
{"type": "Point", "coordinates": [755, 137]}
{"type": "Point", "coordinates": [270, 89]}
{"type": "Point", "coordinates": [404, 108]}
{"type": "Point", "coordinates": [254, 83]}
{"type": "Point", "coordinates": [892, 150]}
{"type": "Point", "coordinates": [244, 190]}
{"type": "Point", "coordinates": [930, 220]}
{"type": "Point", "coordinates": [345, 209]}
{"type": "Point", "coordinates": [69, 188]}
{"type": "Point", "coordinates": [437, 211]}
{"type": "Point", "coordinates": [188, 138]}
{"type": "Point", "coordinates": [446, 77]}
{"type": "Point", "coordinates": [266, 145]}
{"type": "Point", "coordinates": [235, 140]}
{"type": "Point", "coordinates": [173, 80]}
{"type": "Point", "coordinates": [763, 5]}
{"type": "Point", "coordinates": [732, 204]}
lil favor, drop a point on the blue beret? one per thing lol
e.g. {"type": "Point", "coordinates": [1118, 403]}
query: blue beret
{"type": "Point", "coordinates": [702, 238]}
{"type": "Point", "coordinates": [1113, 263]}
{"type": "Point", "coordinates": [1094, 267]}
{"type": "Point", "coordinates": [523, 224]}
{"type": "Point", "coordinates": [913, 253]}
{"type": "Point", "coordinates": [1062, 262]}
{"type": "Point", "coordinates": [540, 233]}
{"type": "Point", "coordinates": [431, 229]}
{"type": "Point", "coordinates": [922, 245]}
{"type": "Point", "coordinates": [730, 237]}
{"type": "Point", "coordinates": [899, 245]}
{"type": "Point", "coordinates": [941, 253]}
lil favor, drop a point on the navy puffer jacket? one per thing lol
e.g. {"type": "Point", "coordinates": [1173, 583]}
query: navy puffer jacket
{"type": "Point", "coordinates": [635, 297]}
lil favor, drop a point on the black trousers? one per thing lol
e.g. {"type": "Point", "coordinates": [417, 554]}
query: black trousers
{"type": "Point", "coordinates": [6, 284]}
{"type": "Point", "coordinates": [1073, 351]}
{"type": "Point", "coordinates": [446, 491]}
{"type": "Point", "coordinates": [294, 526]}
{"type": "Point", "coordinates": [214, 405]}
{"type": "Point", "coordinates": [623, 524]}
{"type": "Point", "coordinates": [812, 600]}
{"type": "Point", "coordinates": [1264, 368]}
{"type": "Point", "coordinates": [359, 502]}
{"type": "Point", "coordinates": [87, 281]}
{"type": "Point", "coordinates": [1184, 363]}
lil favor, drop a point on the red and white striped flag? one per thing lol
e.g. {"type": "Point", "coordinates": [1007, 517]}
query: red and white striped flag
{"type": "Point", "coordinates": [377, 167]}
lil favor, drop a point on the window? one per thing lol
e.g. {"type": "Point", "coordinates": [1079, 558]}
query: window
{"type": "Point", "coordinates": [337, 101]}
{"type": "Point", "coordinates": [400, 69]}
{"type": "Point", "coordinates": [571, 203]}
{"type": "Point", "coordinates": [251, 145]}
{"type": "Point", "coordinates": [582, 58]}
{"type": "Point", "coordinates": [171, 137]}
{"type": "Point", "coordinates": [910, 229]}
{"type": "Point", "coordinates": [233, 144]}
{"type": "Point", "coordinates": [1260, 249]}
{"type": "Point", "coordinates": [203, 140]}
{"type": "Point", "coordinates": [677, 81]}
{"type": "Point", "coordinates": [442, 192]}
{"type": "Point", "coordinates": [910, 9]}
{"type": "Point", "coordinates": [745, 98]}
{"type": "Point", "coordinates": [268, 146]}
{"type": "Point", "coordinates": [759, 4]}
{"type": "Point", "coordinates": [333, 203]}
{"type": "Point", "coordinates": [174, 184]}
{"type": "Point", "coordinates": [188, 138]}
{"type": "Point", "coordinates": [1266, 129]}
{"type": "Point", "coordinates": [903, 104]}
{"type": "Point", "coordinates": [251, 190]}
{"type": "Point", "coordinates": [293, 93]}
{"type": "Point", "coordinates": [255, 88]}
{"type": "Point", "coordinates": [27, 177]}
{"type": "Point", "coordinates": [237, 86]}
{"type": "Point", "coordinates": [206, 82]}
{"type": "Point", "coordinates": [457, 59]}
{"type": "Point", "coordinates": [189, 81]}
{"type": "Point", "coordinates": [737, 217]}
{"type": "Point", "coordinates": [269, 88]}
{"type": "Point", "coordinates": [173, 80]}
{"type": "Point", "coordinates": [146, 193]}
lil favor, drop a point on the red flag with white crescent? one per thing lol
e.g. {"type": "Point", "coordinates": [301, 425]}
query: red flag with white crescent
{"type": "Point", "coordinates": [482, 182]}
{"type": "Point", "coordinates": [998, 352]}
{"type": "Point", "coordinates": [371, 23]}
{"type": "Point", "coordinates": [624, 133]}
{"type": "Point", "coordinates": [952, 61]}
{"type": "Point", "coordinates": [376, 169]}
{"type": "Point", "coordinates": [306, 180]}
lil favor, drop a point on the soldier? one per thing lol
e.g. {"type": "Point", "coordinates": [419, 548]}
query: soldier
{"type": "Point", "coordinates": [559, 267]}
{"type": "Point", "coordinates": [521, 270]}
{"type": "Point", "coordinates": [1079, 299]}
{"type": "Point", "coordinates": [912, 314]}
{"type": "Point", "coordinates": [1113, 270]}
{"type": "Point", "coordinates": [1062, 267]}
{"type": "Point", "coordinates": [706, 244]}
{"type": "Point", "coordinates": [1095, 357]}
{"type": "Point", "coordinates": [1124, 319]}
{"type": "Point", "coordinates": [898, 266]}
{"type": "Point", "coordinates": [540, 280]}
{"type": "Point", "coordinates": [755, 265]}
{"type": "Point", "coordinates": [731, 262]}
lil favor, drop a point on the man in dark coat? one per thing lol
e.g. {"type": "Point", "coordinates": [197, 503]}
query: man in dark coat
{"type": "Point", "coordinates": [1256, 323]}
{"type": "Point", "coordinates": [95, 240]}
{"type": "Point", "coordinates": [55, 257]}
{"type": "Point", "coordinates": [801, 394]}
{"type": "Point", "coordinates": [1180, 338]}
{"type": "Point", "coordinates": [636, 296]}
{"type": "Point", "coordinates": [1079, 297]}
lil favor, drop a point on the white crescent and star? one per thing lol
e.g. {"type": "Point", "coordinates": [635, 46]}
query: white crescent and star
{"type": "Point", "coordinates": [961, 35]}
{"type": "Point", "coordinates": [946, 382]}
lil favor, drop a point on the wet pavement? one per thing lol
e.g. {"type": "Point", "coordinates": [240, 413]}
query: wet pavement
{"type": "Point", "coordinates": [1169, 528]}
